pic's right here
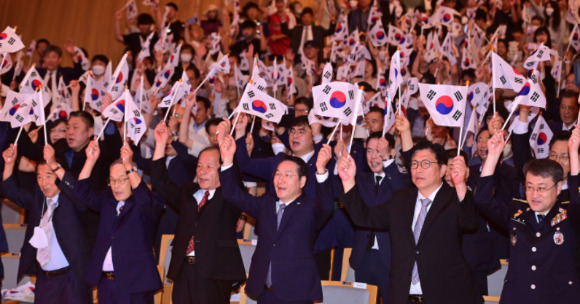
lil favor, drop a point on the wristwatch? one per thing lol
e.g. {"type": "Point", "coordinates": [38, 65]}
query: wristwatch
{"type": "Point", "coordinates": [132, 170]}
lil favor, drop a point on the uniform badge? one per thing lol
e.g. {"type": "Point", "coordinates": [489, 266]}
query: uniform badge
{"type": "Point", "coordinates": [514, 237]}
{"type": "Point", "coordinates": [558, 238]}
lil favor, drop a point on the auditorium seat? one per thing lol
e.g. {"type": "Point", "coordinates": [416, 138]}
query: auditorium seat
{"type": "Point", "coordinates": [347, 274]}
{"type": "Point", "coordinates": [247, 248]}
{"type": "Point", "coordinates": [15, 234]}
{"type": "Point", "coordinates": [348, 292]}
{"type": "Point", "coordinates": [11, 213]}
{"type": "Point", "coordinates": [250, 229]}
{"type": "Point", "coordinates": [244, 299]}
{"type": "Point", "coordinates": [164, 259]}
{"type": "Point", "coordinates": [495, 280]}
{"type": "Point", "coordinates": [10, 262]}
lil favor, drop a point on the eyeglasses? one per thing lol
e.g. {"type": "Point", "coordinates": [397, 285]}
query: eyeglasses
{"type": "Point", "coordinates": [564, 158]}
{"type": "Point", "coordinates": [540, 190]}
{"type": "Point", "coordinates": [120, 181]}
{"type": "Point", "coordinates": [425, 164]}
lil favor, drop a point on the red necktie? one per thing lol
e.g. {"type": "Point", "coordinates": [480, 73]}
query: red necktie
{"type": "Point", "coordinates": [191, 244]}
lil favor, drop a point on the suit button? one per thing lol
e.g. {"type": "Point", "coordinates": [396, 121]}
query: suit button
{"type": "Point", "coordinates": [533, 286]}
{"type": "Point", "coordinates": [416, 251]}
{"type": "Point", "coordinates": [534, 249]}
{"type": "Point", "coordinates": [195, 225]}
{"type": "Point", "coordinates": [570, 283]}
{"type": "Point", "coordinates": [538, 234]}
{"type": "Point", "coordinates": [274, 245]}
{"type": "Point", "coordinates": [534, 267]}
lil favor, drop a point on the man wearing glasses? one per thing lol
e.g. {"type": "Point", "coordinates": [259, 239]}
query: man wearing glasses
{"type": "Point", "coordinates": [425, 224]}
{"type": "Point", "coordinates": [543, 230]}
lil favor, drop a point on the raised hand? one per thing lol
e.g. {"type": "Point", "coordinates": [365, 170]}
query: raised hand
{"type": "Point", "coordinates": [459, 171]}
{"type": "Point", "coordinates": [249, 143]}
{"type": "Point", "coordinates": [127, 156]}
{"type": "Point", "coordinates": [75, 87]}
{"type": "Point", "coordinates": [383, 146]}
{"type": "Point", "coordinates": [93, 151]}
{"type": "Point", "coordinates": [340, 148]}
{"type": "Point", "coordinates": [223, 129]}
{"type": "Point", "coordinates": [574, 141]}
{"type": "Point", "coordinates": [496, 144]}
{"type": "Point", "coordinates": [161, 134]}
{"type": "Point", "coordinates": [190, 101]}
{"type": "Point", "coordinates": [227, 149]}
{"type": "Point", "coordinates": [347, 172]}
{"type": "Point", "coordinates": [324, 156]}
{"type": "Point", "coordinates": [9, 155]}
{"type": "Point", "coordinates": [402, 123]}
{"type": "Point", "coordinates": [49, 156]}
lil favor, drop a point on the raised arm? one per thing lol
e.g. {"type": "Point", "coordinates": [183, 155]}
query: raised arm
{"type": "Point", "coordinates": [190, 101]}
{"type": "Point", "coordinates": [93, 151]}
{"type": "Point", "coordinates": [9, 185]}
{"type": "Point", "coordinates": [159, 178]}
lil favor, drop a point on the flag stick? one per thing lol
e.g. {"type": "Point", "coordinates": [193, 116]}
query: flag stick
{"type": "Point", "coordinates": [460, 136]}
{"type": "Point", "coordinates": [356, 106]}
{"type": "Point", "coordinates": [237, 79]}
{"type": "Point", "coordinates": [172, 100]}
{"type": "Point", "coordinates": [18, 136]}
{"type": "Point", "coordinates": [199, 86]}
{"type": "Point", "coordinates": [4, 54]}
{"type": "Point", "coordinates": [341, 131]}
{"type": "Point", "coordinates": [41, 101]}
{"type": "Point", "coordinates": [103, 129]}
{"type": "Point", "coordinates": [399, 67]}
{"type": "Point", "coordinates": [252, 126]}
{"type": "Point", "coordinates": [509, 116]}
{"type": "Point", "coordinates": [508, 137]}
{"type": "Point", "coordinates": [231, 115]}
{"type": "Point", "coordinates": [494, 101]}
{"type": "Point", "coordinates": [235, 123]}
{"type": "Point", "coordinates": [84, 105]}
{"type": "Point", "coordinates": [332, 134]}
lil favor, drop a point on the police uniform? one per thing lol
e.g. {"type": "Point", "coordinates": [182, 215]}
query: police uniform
{"type": "Point", "coordinates": [541, 265]}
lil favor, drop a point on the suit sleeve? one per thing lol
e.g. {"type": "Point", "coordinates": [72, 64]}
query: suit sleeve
{"type": "Point", "coordinates": [468, 219]}
{"type": "Point", "coordinates": [521, 151]}
{"type": "Point", "coordinates": [13, 192]}
{"type": "Point", "coordinates": [574, 208]}
{"type": "Point", "coordinates": [189, 160]}
{"type": "Point", "coordinates": [163, 184]}
{"type": "Point", "coordinates": [361, 214]}
{"type": "Point", "coordinates": [489, 204]}
{"type": "Point", "coordinates": [142, 163]}
{"type": "Point", "coordinates": [397, 180]}
{"type": "Point", "coordinates": [67, 187]}
{"type": "Point", "coordinates": [324, 203]}
{"type": "Point", "coordinates": [234, 193]}
{"type": "Point", "coordinates": [257, 167]}
{"type": "Point", "coordinates": [149, 205]}
{"type": "Point", "coordinates": [87, 196]}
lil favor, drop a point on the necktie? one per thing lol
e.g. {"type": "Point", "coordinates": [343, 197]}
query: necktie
{"type": "Point", "coordinates": [43, 254]}
{"type": "Point", "coordinates": [425, 202]}
{"type": "Point", "coordinates": [378, 179]}
{"type": "Point", "coordinates": [191, 244]}
{"type": "Point", "coordinates": [49, 82]}
{"type": "Point", "coordinates": [278, 220]}
{"type": "Point", "coordinates": [540, 217]}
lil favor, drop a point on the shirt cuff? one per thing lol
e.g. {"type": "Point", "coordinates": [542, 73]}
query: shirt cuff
{"type": "Point", "coordinates": [224, 168]}
{"type": "Point", "coordinates": [520, 127]}
{"type": "Point", "coordinates": [388, 162]}
{"type": "Point", "coordinates": [321, 178]}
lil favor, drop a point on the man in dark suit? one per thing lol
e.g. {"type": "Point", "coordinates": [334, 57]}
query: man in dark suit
{"type": "Point", "coordinates": [206, 264]}
{"type": "Point", "coordinates": [425, 224]}
{"type": "Point", "coordinates": [371, 250]}
{"type": "Point", "coordinates": [122, 263]}
{"type": "Point", "coordinates": [300, 34]}
{"type": "Point", "coordinates": [53, 212]}
{"type": "Point", "coordinates": [543, 229]}
{"type": "Point", "coordinates": [283, 267]}
{"type": "Point", "coordinates": [568, 110]}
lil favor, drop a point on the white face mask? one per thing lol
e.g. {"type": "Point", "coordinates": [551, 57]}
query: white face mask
{"type": "Point", "coordinates": [185, 58]}
{"type": "Point", "coordinates": [277, 148]}
{"type": "Point", "coordinates": [549, 11]}
{"type": "Point", "coordinates": [98, 70]}
{"type": "Point", "coordinates": [532, 29]}
{"type": "Point", "coordinates": [298, 10]}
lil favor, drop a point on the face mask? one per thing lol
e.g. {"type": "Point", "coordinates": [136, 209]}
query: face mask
{"type": "Point", "coordinates": [549, 11]}
{"type": "Point", "coordinates": [185, 58]}
{"type": "Point", "coordinates": [532, 29]}
{"type": "Point", "coordinates": [98, 70]}
{"type": "Point", "coordinates": [277, 148]}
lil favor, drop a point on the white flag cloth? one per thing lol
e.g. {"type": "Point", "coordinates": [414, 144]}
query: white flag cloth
{"type": "Point", "coordinates": [432, 47]}
{"type": "Point", "coordinates": [556, 71]}
{"type": "Point", "coordinates": [63, 93]}
{"type": "Point", "coordinates": [381, 81]}
{"type": "Point", "coordinates": [258, 76]}
{"type": "Point", "coordinates": [9, 41]}
{"type": "Point", "coordinates": [484, 103]}
{"type": "Point", "coordinates": [476, 93]}
{"type": "Point", "coordinates": [61, 111]}
{"type": "Point", "coordinates": [163, 77]}
{"type": "Point", "coordinates": [21, 113]}
{"type": "Point", "coordinates": [173, 96]}
{"type": "Point", "coordinates": [398, 37]}
{"type": "Point", "coordinates": [11, 104]}
{"type": "Point", "coordinates": [31, 48]}
{"type": "Point", "coordinates": [240, 79]}
{"type": "Point", "coordinates": [136, 127]}
{"type": "Point", "coordinates": [445, 15]}
{"type": "Point", "coordinates": [395, 77]}
{"type": "Point", "coordinates": [116, 110]}
{"type": "Point", "coordinates": [413, 85]}
{"type": "Point", "coordinates": [571, 15]}
{"type": "Point", "coordinates": [82, 59]}
{"type": "Point", "coordinates": [328, 122]}
{"type": "Point", "coordinates": [531, 94]}
{"type": "Point", "coordinates": [447, 50]}
{"type": "Point", "coordinates": [335, 99]}
{"type": "Point", "coordinates": [376, 101]}
{"type": "Point", "coordinates": [141, 98]}
{"type": "Point", "coordinates": [37, 105]}
{"type": "Point", "coordinates": [256, 102]}
{"type": "Point", "coordinates": [223, 65]}
{"type": "Point", "coordinates": [477, 36]}
{"type": "Point", "coordinates": [445, 103]}
{"type": "Point", "coordinates": [327, 73]}
{"type": "Point", "coordinates": [405, 56]}
{"type": "Point", "coordinates": [119, 79]}
{"type": "Point", "coordinates": [504, 75]}
{"type": "Point", "coordinates": [468, 60]}
{"type": "Point", "coordinates": [215, 43]}
{"type": "Point", "coordinates": [290, 85]}
{"type": "Point", "coordinates": [19, 64]}
{"type": "Point", "coordinates": [94, 93]}
{"type": "Point", "coordinates": [131, 8]}
{"type": "Point", "coordinates": [540, 54]}
{"type": "Point", "coordinates": [353, 38]}
{"type": "Point", "coordinates": [145, 47]}
{"type": "Point", "coordinates": [174, 59]}
{"type": "Point", "coordinates": [31, 82]}
{"type": "Point", "coordinates": [540, 138]}
{"type": "Point", "coordinates": [374, 15]}
{"type": "Point", "coordinates": [6, 61]}
{"type": "Point", "coordinates": [472, 126]}
{"type": "Point", "coordinates": [341, 30]}
{"type": "Point", "coordinates": [574, 39]}
{"type": "Point", "coordinates": [389, 116]}
{"type": "Point", "coordinates": [378, 35]}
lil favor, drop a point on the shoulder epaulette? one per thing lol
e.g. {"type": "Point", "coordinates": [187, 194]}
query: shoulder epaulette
{"type": "Point", "coordinates": [566, 202]}
{"type": "Point", "coordinates": [520, 200]}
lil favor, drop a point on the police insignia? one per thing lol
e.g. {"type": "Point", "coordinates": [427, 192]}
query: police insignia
{"type": "Point", "coordinates": [514, 237]}
{"type": "Point", "coordinates": [558, 238]}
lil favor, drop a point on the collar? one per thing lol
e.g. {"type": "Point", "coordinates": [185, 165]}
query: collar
{"type": "Point", "coordinates": [568, 128]}
{"type": "Point", "coordinates": [54, 198]}
{"type": "Point", "coordinates": [432, 196]}
{"type": "Point", "coordinates": [306, 157]}
{"type": "Point", "coordinates": [201, 192]}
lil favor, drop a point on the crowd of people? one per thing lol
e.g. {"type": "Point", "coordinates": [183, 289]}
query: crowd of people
{"type": "Point", "coordinates": [428, 210]}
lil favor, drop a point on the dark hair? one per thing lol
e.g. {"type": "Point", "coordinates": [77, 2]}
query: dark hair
{"type": "Point", "coordinates": [437, 149]}
{"type": "Point", "coordinates": [536, 17]}
{"type": "Point", "coordinates": [205, 101]}
{"type": "Point", "coordinates": [388, 136]}
{"type": "Point", "coordinates": [560, 136]}
{"type": "Point", "coordinates": [545, 168]}
{"type": "Point", "coordinates": [367, 87]}
{"type": "Point", "coordinates": [377, 110]}
{"type": "Point", "coordinates": [308, 102]}
{"type": "Point", "coordinates": [302, 168]}
{"type": "Point", "coordinates": [192, 67]}
{"type": "Point", "coordinates": [299, 122]}
{"type": "Point", "coordinates": [173, 5]}
{"type": "Point", "coordinates": [212, 122]}
{"type": "Point", "coordinates": [100, 57]}
{"type": "Point", "coordinates": [569, 94]}
{"type": "Point", "coordinates": [52, 48]}
{"type": "Point", "coordinates": [452, 153]}
{"type": "Point", "coordinates": [469, 73]}
{"type": "Point", "coordinates": [480, 15]}
{"type": "Point", "coordinates": [543, 30]}
{"type": "Point", "coordinates": [211, 148]}
{"type": "Point", "coordinates": [248, 24]}
{"type": "Point", "coordinates": [86, 117]}
{"type": "Point", "coordinates": [554, 20]}
{"type": "Point", "coordinates": [187, 47]}
{"type": "Point", "coordinates": [145, 19]}
{"type": "Point", "coordinates": [307, 10]}
{"type": "Point", "coordinates": [39, 163]}
{"type": "Point", "coordinates": [52, 124]}
{"type": "Point", "coordinates": [42, 40]}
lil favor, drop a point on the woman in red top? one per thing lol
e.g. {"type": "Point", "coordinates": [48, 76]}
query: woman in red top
{"type": "Point", "coordinates": [277, 41]}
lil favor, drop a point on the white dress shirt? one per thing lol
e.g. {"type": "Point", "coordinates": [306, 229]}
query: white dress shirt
{"type": "Point", "coordinates": [416, 289]}
{"type": "Point", "coordinates": [57, 258]}
{"type": "Point", "coordinates": [108, 262]}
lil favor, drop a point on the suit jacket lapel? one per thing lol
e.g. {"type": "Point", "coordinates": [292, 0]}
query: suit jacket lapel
{"type": "Point", "coordinates": [288, 212]}
{"type": "Point", "coordinates": [409, 212]}
{"type": "Point", "coordinates": [439, 202]}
